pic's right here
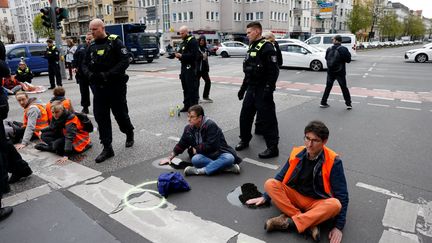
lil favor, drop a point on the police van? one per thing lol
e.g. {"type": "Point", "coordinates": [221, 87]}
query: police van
{"type": "Point", "coordinates": [32, 54]}
{"type": "Point", "coordinates": [324, 41]}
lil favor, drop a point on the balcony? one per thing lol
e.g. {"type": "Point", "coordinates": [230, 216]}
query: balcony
{"type": "Point", "coordinates": [83, 18]}
{"type": "Point", "coordinates": [297, 11]}
{"type": "Point", "coordinates": [297, 28]}
{"type": "Point", "coordinates": [121, 14]}
{"type": "Point", "coordinates": [119, 1]}
{"type": "Point", "coordinates": [98, 2]}
{"type": "Point", "coordinates": [72, 19]}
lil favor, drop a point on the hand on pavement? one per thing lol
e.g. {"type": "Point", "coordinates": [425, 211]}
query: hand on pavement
{"type": "Point", "coordinates": [165, 161]}
{"type": "Point", "coordinates": [62, 160]}
{"type": "Point", "coordinates": [335, 235]}
{"type": "Point", "coordinates": [256, 201]}
{"type": "Point", "coordinates": [20, 146]}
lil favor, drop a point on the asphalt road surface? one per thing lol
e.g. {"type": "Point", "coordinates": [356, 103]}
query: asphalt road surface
{"type": "Point", "coordinates": [384, 142]}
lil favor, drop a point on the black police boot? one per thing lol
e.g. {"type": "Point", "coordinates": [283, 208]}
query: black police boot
{"type": "Point", "coordinates": [241, 145]}
{"type": "Point", "coordinates": [184, 109]}
{"type": "Point", "coordinates": [270, 152]}
{"type": "Point", "coordinates": [129, 140]}
{"type": "Point", "coordinates": [106, 153]}
{"type": "Point", "coordinates": [85, 110]}
{"type": "Point", "coordinates": [25, 172]}
{"type": "Point", "coordinates": [43, 147]}
{"type": "Point", "coordinates": [5, 212]}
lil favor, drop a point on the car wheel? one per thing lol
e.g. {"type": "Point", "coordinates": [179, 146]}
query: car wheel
{"type": "Point", "coordinates": [421, 58]}
{"type": "Point", "coordinates": [316, 65]}
{"type": "Point", "coordinates": [149, 60]}
{"type": "Point", "coordinates": [224, 54]}
{"type": "Point", "coordinates": [37, 74]}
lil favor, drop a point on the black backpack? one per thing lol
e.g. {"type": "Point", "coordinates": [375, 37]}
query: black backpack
{"type": "Point", "coordinates": [334, 62]}
{"type": "Point", "coordinates": [85, 121]}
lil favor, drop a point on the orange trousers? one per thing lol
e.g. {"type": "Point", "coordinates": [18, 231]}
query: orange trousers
{"type": "Point", "coordinates": [306, 212]}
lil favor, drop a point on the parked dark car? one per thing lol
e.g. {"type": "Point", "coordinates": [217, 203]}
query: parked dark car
{"type": "Point", "coordinates": [32, 53]}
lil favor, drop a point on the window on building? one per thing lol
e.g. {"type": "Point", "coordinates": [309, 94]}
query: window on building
{"type": "Point", "coordinates": [207, 15]}
{"type": "Point", "coordinates": [259, 15]}
{"type": "Point", "coordinates": [185, 16]}
{"type": "Point", "coordinates": [174, 15]}
{"type": "Point", "coordinates": [180, 17]}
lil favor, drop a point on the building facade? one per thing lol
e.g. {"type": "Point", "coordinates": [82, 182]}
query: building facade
{"type": "Point", "coordinates": [6, 25]}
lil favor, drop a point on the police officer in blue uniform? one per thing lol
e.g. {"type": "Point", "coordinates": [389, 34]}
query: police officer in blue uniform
{"type": "Point", "coordinates": [261, 73]}
{"type": "Point", "coordinates": [105, 66]}
{"type": "Point", "coordinates": [188, 56]}
{"type": "Point", "coordinates": [52, 54]}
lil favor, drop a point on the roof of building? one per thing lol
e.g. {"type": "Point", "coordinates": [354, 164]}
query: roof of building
{"type": "Point", "coordinates": [4, 4]}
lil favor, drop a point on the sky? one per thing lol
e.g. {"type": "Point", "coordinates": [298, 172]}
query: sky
{"type": "Point", "coordinates": [425, 5]}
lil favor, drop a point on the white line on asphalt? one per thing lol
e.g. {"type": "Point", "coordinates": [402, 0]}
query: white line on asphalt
{"type": "Point", "coordinates": [283, 81]}
{"type": "Point", "coordinates": [383, 98]}
{"type": "Point", "coordinates": [223, 82]}
{"type": "Point", "coordinates": [354, 102]}
{"type": "Point", "coordinates": [401, 215]}
{"type": "Point", "coordinates": [155, 134]}
{"type": "Point", "coordinates": [174, 138]}
{"type": "Point", "coordinates": [381, 105]}
{"type": "Point", "coordinates": [370, 69]}
{"type": "Point", "coordinates": [374, 64]}
{"type": "Point", "coordinates": [359, 96]}
{"type": "Point", "coordinates": [423, 92]}
{"type": "Point", "coordinates": [412, 101]}
{"type": "Point", "coordinates": [278, 87]}
{"type": "Point", "coordinates": [27, 195]}
{"type": "Point", "coordinates": [322, 85]}
{"type": "Point", "coordinates": [301, 83]}
{"type": "Point", "coordinates": [380, 190]}
{"type": "Point", "coordinates": [303, 96]}
{"type": "Point", "coordinates": [377, 76]}
{"type": "Point", "coordinates": [408, 108]}
{"type": "Point", "coordinates": [384, 90]}
{"type": "Point", "coordinates": [313, 91]}
{"type": "Point", "coordinates": [365, 75]}
{"type": "Point", "coordinates": [405, 91]}
{"type": "Point", "coordinates": [337, 93]}
{"type": "Point", "coordinates": [292, 89]}
{"type": "Point", "coordinates": [255, 162]}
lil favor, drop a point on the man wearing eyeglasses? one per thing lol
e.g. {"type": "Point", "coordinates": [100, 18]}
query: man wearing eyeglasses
{"type": "Point", "coordinates": [206, 145]}
{"type": "Point", "coordinates": [310, 189]}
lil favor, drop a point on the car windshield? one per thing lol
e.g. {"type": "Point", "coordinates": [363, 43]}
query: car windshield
{"type": "Point", "coordinates": [143, 40]}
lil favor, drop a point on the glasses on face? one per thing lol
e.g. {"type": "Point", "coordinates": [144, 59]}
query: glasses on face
{"type": "Point", "coordinates": [312, 140]}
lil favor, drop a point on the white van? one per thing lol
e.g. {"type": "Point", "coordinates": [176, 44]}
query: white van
{"type": "Point", "coordinates": [324, 41]}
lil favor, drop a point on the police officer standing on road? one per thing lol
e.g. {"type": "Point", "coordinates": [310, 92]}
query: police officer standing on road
{"type": "Point", "coordinates": [52, 54]}
{"type": "Point", "coordinates": [261, 73]}
{"type": "Point", "coordinates": [188, 56]}
{"type": "Point", "coordinates": [105, 66]}
{"type": "Point", "coordinates": [82, 80]}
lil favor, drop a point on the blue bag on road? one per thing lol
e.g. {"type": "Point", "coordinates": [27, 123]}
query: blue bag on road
{"type": "Point", "coordinates": [169, 182]}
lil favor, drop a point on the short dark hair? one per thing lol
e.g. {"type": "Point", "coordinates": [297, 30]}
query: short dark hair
{"type": "Point", "coordinates": [59, 91]}
{"type": "Point", "coordinates": [318, 128]}
{"type": "Point", "coordinates": [199, 111]}
{"type": "Point", "coordinates": [49, 41]}
{"type": "Point", "coordinates": [254, 24]}
{"type": "Point", "coordinates": [338, 38]}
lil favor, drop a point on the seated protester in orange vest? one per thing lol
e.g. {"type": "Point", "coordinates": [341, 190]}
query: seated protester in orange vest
{"type": "Point", "coordinates": [310, 189]}
{"type": "Point", "coordinates": [23, 73]}
{"type": "Point", "coordinates": [73, 138]}
{"type": "Point", "coordinates": [206, 146]}
{"type": "Point", "coordinates": [35, 119]}
{"type": "Point", "coordinates": [59, 95]}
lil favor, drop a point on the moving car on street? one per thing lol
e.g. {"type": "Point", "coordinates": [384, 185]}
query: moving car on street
{"type": "Point", "coordinates": [232, 48]}
{"type": "Point", "coordinates": [303, 55]}
{"type": "Point", "coordinates": [419, 55]}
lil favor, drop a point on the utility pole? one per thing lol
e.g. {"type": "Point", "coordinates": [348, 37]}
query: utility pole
{"type": "Point", "coordinates": [333, 18]}
{"type": "Point", "coordinates": [57, 35]}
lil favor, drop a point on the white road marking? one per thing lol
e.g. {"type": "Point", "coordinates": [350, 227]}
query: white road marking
{"type": "Point", "coordinates": [174, 138]}
{"type": "Point", "coordinates": [380, 105]}
{"type": "Point", "coordinates": [408, 108]}
{"type": "Point", "coordinates": [359, 96]}
{"type": "Point", "coordinates": [412, 101]}
{"type": "Point", "coordinates": [298, 72]}
{"type": "Point", "coordinates": [155, 134]}
{"type": "Point", "coordinates": [292, 89]}
{"type": "Point", "coordinates": [370, 69]}
{"type": "Point", "coordinates": [394, 237]}
{"type": "Point", "coordinates": [265, 165]}
{"type": "Point", "coordinates": [26, 195]}
{"type": "Point", "coordinates": [223, 82]}
{"type": "Point", "coordinates": [303, 96]}
{"type": "Point", "coordinates": [301, 83]}
{"type": "Point", "coordinates": [374, 64]}
{"type": "Point", "coordinates": [384, 90]}
{"type": "Point", "coordinates": [313, 91]}
{"type": "Point", "coordinates": [400, 214]}
{"type": "Point", "coordinates": [380, 190]}
{"type": "Point", "coordinates": [365, 75]}
{"type": "Point", "coordinates": [383, 98]}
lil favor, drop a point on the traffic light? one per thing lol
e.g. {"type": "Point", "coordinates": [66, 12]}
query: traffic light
{"type": "Point", "coordinates": [60, 13]}
{"type": "Point", "coordinates": [46, 17]}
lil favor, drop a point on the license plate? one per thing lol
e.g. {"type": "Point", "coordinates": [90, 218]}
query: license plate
{"type": "Point", "coordinates": [150, 55]}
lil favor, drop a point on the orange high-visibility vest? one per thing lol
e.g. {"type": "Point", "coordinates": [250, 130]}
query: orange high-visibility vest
{"type": "Point", "coordinates": [82, 138]}
{"type": "Point", "coordinates": [41, 122]}
{"type": "Point", "coordinates": [66, 104]}
{"type": "Point", "coordinates": [329, 158]}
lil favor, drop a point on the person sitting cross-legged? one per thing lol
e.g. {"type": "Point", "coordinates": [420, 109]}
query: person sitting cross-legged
{"type": "Point", "coordinates": [311, 188]}
{"type": "Point", "coordinates": [206, 146]}
{"type": "Point", "coordinates": [72, 140]}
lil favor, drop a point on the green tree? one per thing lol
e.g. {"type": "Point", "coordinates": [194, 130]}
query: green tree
{"type": "Point", "coordinates": [389, 26]}
{"type": "Point", "coordinates": [414, 27]}
{"type": "Point", "coordinates": [40, 30]}
{"type": "Point", "coordinates": [359, 18]}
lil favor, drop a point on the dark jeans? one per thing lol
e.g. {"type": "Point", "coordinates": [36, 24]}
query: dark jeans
{"type": "Point", "coordinates": [54, 71]}
{"type": "Point", "coordinates": [341, 78]}
{"type": "Point", "coordinates": [256, 103]}
{"type": "Point", "coordinates": [69, 67]}
{"type": "Point", "coordinates": [111, 98]}
{"type": "Point", "coordinates": [84, 90]}
{"type": "Point", "coordinates": [190, 86]}
{"type": "Point", "coordinates": [206, 77]}
{"type": "Point", "coordinates": [55, 140]}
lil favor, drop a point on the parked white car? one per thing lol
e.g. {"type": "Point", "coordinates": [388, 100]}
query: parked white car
{"type": "Point", "coordinates": [419, 55]}
{"type": "Point", "coordinates": [324, 41]}
{"type": "Point", "coordinates": [282, 41]}
{"type": "Point", "coordinates": [427, 45]}
{"type": "Point", "coordinates": [303, 55]}
{"type": "Point", "coordinates": [232, 48]}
